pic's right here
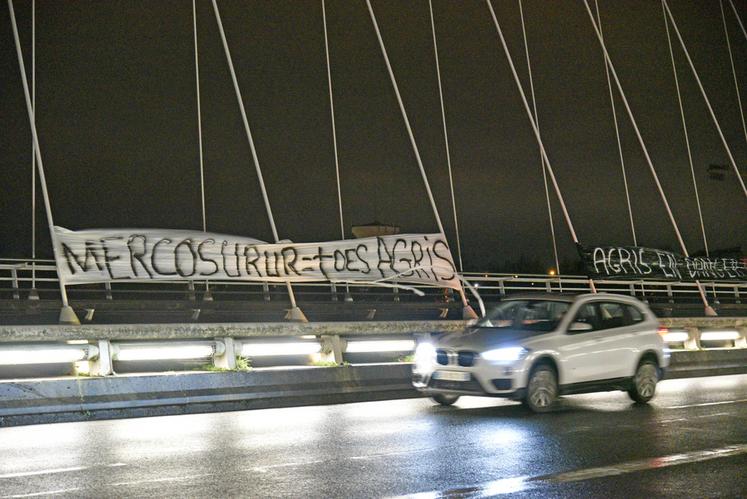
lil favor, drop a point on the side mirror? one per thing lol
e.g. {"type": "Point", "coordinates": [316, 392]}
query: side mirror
{"type": "Point", "coordinates": [580, 327]}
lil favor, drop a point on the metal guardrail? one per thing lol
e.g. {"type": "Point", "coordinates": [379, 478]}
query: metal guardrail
{"type": "Point", "coordinates": [280, 344]}
{"type": "Point", "coordinates": [27, 277]}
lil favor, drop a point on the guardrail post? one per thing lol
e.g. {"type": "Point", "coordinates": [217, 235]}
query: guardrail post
{"type": "Point", "coordinates": [102, 365]}
{"type": "Point", "coordinates": [548, 287]}
{"type": "Point", "coordinates": [227, 360]}
{"type": "Point", "coordinates": [332, 348]}
{"type": "Point", "coordinates": [207, 295]}
{"type": "Point", "coordinates": [742, 341]}
{"type": "Point", "coordinates": [334, 292]}
{"type": "Point", "coordinates": [632, 289]}
{"type": "Point", "coordinates": [396, 294]}
{"type": "Point", "coordinates": [14, 277]}
{"type": "Point", "coordinates": [108, 287]}
{"type": "Point", "coordinates": [693, 342]}
{"type": "Point", "coordinates": [266, 291]}
{"type": "Point", "coordinates": [669, 293]}
{"type": "Point", "coordinates": [736, 294]}
{"type": "Point", "coordinates": [191, 295]}
{"type": "Point", "coordinates": [502, 288]}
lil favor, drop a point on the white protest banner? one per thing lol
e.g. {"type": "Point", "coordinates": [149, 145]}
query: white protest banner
{"type": "Point", "coordinates": [108, 255]}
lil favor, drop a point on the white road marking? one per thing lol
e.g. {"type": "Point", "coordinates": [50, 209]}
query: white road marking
{"type": "Point", "coordinates": [647, 464]}
{"type": "Point", "coordinates": [167, 479]}
{"type": "Point", "coordinates": [265, 469]}
{"type": "Point", "coordinates": [387, 454]}
{"type": "Point", "coordinates": [58, 470]}
{"type": "Point", "coordinates": [45, 493]}
{"type": "Point", "coordinates": [518, 484]}
{"type": "Point", "coordinates": [706, 404]}
{"type": "Point", "coordinates": [702, 416]}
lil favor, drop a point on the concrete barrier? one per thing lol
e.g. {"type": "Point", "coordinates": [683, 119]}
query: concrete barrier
{"type": "Point", "coordinates": [693, 364]}
{"type": "Point", "coordinates": [81, 399]}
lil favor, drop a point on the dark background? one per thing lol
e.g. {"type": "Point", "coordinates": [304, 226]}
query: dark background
{"type": "Point", "coordinates": [116, 115]}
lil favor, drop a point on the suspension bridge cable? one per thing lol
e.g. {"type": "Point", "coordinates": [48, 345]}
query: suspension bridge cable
{"type": "Point", "coordinates": [67, 314]}
{"type": "Point", "coordinates": [207, 296]}
{"type": "Point", "coordinates": [334, 137]}
{"type": "Point", "coordinates": [617, 135]}
{"type": "Point", "coordinates": [709, 310]}
{"type": "Point", "coordinates": [446, 137]}
{"type": "Point", "coordinates": [537, 134]}
{"type": "Point", "coordinates": [542, 161]}
{"type": "Point", "coordinates": [739, 19]}
{"type": "Point", "coordinates": [33, 148]}
{"type": "Point", "coordinates": [533, 123]}
{"type": "Point", "coordinates": [684, 127]}
{"type": "Point", "coordinates": [258, 169]}
{"type": "Point", "coordinates": [733, 69]}
{"type": "Point", "coordinates": [705, 97]}
{"type": "Point", "coordinates": [467, 310]}
{"type": "Point", "coordinates": [199, 117]}
{"type": "Point", "coordinates": [332, 115]}
{"type": "Point", "coordinates": [406, 119]}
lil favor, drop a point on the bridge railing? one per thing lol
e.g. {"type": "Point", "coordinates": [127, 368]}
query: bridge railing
{"type": "Point", "coordinates": [24, 278]}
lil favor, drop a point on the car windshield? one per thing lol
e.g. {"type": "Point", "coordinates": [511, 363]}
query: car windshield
{"type": "Point", "coordinates": [526, 315]}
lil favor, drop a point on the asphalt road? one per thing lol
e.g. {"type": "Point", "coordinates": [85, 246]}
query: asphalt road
{"type": "Point", "coordinates": [691, 441]}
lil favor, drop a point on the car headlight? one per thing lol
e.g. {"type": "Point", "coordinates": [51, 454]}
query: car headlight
{"type": "Point", "coordinates": [508, 354]}
{"type": "Point", "coordinates": [425, 356]}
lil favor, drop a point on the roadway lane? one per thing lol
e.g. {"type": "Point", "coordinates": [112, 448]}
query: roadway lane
{"type": "Point", "coordinates": [690, 442]}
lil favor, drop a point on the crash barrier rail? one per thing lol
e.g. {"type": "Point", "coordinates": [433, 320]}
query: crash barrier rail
{"type": "Point", "coordinates": [25, 278]}
{"type": "Point", "coordinates": [97, 349]}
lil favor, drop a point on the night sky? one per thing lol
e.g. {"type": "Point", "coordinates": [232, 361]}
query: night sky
{"type": "Point", "coordinates": [117, 120]}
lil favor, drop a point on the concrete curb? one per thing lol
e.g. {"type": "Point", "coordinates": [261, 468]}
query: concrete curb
{"type": "Point", "coordinates": [707, 363]}
{"type": "Point", "coordinates": [83, 399]}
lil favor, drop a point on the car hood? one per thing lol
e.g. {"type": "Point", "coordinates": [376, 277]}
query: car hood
{"type": "Point", "coordinates": [486, 338]}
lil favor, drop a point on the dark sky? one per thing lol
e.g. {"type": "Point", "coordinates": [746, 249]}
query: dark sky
{"type": "Point", "coordinates": [116, 115]}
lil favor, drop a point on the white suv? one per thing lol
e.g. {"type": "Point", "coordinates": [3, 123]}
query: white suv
{"type": "Point", "coordinates": [537, 347]}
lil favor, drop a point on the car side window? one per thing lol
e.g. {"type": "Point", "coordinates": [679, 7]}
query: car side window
{"type": "Point", "coordinates": [612, 315]}
{"type": "Point", "coordinates": [634, 314]}
{"type": "Point", "coordinates": [587, 314]}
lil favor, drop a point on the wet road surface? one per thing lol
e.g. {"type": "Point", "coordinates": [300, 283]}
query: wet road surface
{"type": "Point", "coordinates": [691, 441]}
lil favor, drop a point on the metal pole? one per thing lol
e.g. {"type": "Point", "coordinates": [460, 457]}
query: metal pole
{"type": "Point", "coordinates": [295, 313]}
{"type": "Point", "coordinates": [67, 314]}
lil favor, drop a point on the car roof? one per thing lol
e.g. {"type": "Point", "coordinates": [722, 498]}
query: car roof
{"type": "Point", "coordinates": [566, 297]}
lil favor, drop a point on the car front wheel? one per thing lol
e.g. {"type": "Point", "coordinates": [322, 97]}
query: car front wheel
{"type": "Point", "coordinates": [644, 382]}
{"type": "Point", "coordinates": [445, 400]}
{"type": "Point", "coordinates": [542, 390]}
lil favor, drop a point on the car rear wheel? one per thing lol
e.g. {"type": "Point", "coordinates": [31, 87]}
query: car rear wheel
{"type": "Point", "coordinates": [445, 400]}
{"type": "Point", "coordinates": [644, 382]}
{"type": "Point", "coordinates": [543, 389]}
